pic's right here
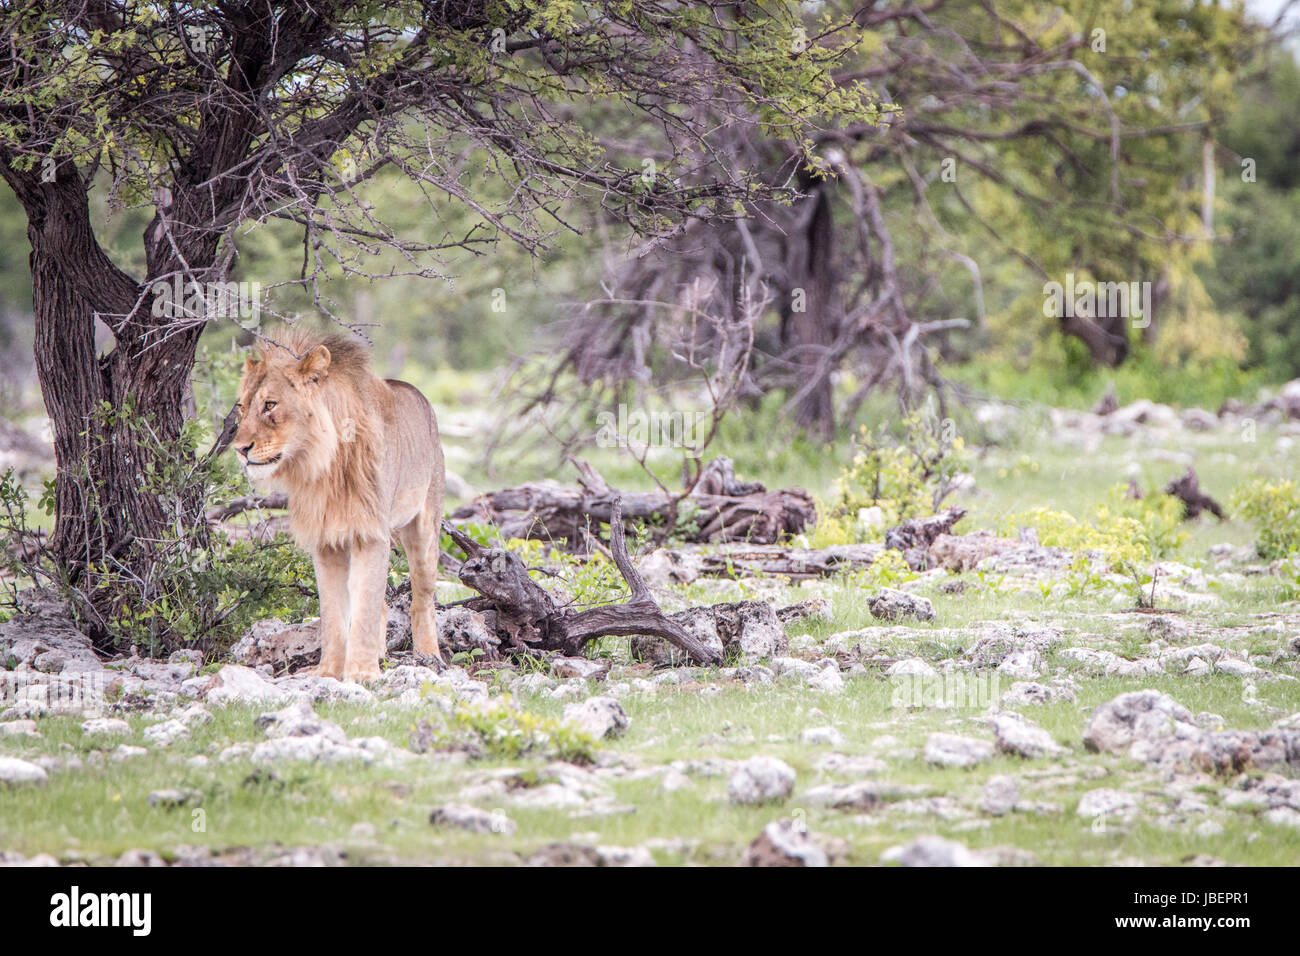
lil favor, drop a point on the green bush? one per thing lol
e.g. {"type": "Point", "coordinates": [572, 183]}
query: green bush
{"type": "Point", "coordinates": [1125, 531]}
{"type": "Point", "coordinates": [905, 477]}
{"type": "Point", "coordinates": [188, 593]}
{"type": "Point", "coordinates": [1273, 507]}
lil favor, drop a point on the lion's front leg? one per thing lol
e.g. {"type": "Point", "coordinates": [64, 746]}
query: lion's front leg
{"type": "Point", "coordinates": [332, 585]}
{"type": "Point", "coordinates": [367, 578]}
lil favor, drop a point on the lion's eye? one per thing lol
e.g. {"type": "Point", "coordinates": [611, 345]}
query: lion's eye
{"type": "Point", "coordinates": [268, 406]}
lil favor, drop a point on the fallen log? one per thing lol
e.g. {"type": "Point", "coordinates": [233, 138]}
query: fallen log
{"type": "Point", "coordinates": [528, 619]}
{"type": "Point", "coordinates": [914, 536]}
{"type": "Point", "coordinates": [717, 509]}
{"type": "Point", "coordinates": [683, 565]}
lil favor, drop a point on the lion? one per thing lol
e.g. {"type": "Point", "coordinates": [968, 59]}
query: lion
{"type": "Point", "coordinates": [361, 461]}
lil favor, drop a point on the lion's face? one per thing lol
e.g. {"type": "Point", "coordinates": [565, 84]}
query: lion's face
{"type": "Point", "coordinates": [278, 408]}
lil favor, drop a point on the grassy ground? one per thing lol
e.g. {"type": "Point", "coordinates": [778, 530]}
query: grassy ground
{"type": "Point", "coordinates": [100, 811]}
{"type": "Point", "coordinates": [95, 807]}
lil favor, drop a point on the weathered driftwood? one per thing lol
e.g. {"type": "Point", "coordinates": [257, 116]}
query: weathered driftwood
{"type": "Point", "coordinates": [719, 507]}
{"type": "Point", "coordinates": [1188, 490]}
{"type": "Point", "coordinates": [737, 560]}
{"type": "Point", "coordinates": [914, 536]}
{"type": "Point", "coordinates": [528, 618]}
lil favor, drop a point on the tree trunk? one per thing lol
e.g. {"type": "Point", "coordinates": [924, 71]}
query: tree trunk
{"type": "Point", "coordinates": [810, 271]}
{"type": "Point", "coordinates": [116, 419]}
{"type": "Point", "coordinates": [1103, 336]}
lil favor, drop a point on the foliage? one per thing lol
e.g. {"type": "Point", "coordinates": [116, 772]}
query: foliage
{"type": "Point", "coordinates": [888, 570]}
{"type": "Point", "coordinates": [499, 728]}
{"type": "Point", "coordinates": [1252, 273]}
{"type": "Point", "coordinates": [1273, 507]}
{"type": "Point", "coordinates": [1052, 373]}
{"type": "Point", "coordinates": [1160, 516]}
{"type": "Point", "coordinates": [905, 477]}
{"type": "Point", "coordinates": [1123, 530]}
{"type": "Point", "coordinates": [1121, 540]}
{"type": "Point", "coordinates": [190, 592]}
{"type": "Point", "coordinates": [1288, 570]}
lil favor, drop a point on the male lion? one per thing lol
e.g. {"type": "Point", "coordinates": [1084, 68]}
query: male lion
{"type": "Point", "coordinates": [361, 461]}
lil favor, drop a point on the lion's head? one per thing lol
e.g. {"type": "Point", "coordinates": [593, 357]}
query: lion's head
{"type": "Point", "coordinates": [299, 401]}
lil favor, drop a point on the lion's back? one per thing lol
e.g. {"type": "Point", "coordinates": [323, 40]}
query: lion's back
{"type": "Point", "coordinates": [414, 435]}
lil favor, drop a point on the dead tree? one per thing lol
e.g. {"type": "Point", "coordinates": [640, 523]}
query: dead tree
{"type": "Point", "coordinates": [528, 619]}
{"type": "Point", "coordinates": [867, 268]}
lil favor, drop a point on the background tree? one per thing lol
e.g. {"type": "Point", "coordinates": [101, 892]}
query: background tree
{"type": "Point", "coordinates": [1255, 271]}
{"type": "Point", "coordinates": [1030, 141]}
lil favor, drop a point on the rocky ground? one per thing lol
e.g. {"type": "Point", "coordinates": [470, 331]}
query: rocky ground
{"type": "Point", "coordinates": [991, 734]}
{"type": "Point", "coordinates": [992, 711]}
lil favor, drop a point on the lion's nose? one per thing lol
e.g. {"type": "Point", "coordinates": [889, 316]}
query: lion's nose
{"type": "Point", "coordinates": [246, 449]}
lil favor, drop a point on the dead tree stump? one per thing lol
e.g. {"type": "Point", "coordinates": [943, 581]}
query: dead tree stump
{"type": "Point", "coordinates": [528, 619]}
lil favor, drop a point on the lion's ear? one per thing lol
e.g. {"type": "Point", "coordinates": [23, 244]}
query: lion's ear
{"type": "Point", "coordinates": [250, 363]}
{"type": "Point", "coordinates": [312, 366]}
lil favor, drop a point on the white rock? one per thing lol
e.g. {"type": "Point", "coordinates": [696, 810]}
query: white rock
{"type": "Point", "coordinates": [166, 733]}
{"type": "Point", "coordinates": [910, 667]}
{"type": "Point", "coordinates": [315, 749]}
{"type": "Point", "coordinates": [760, 780]}
{"type": "Point", "coordinates": [625, 856]}
{"type": "Point", "coordinates": [1238, 668]}
{"type": "Point", "coordinates": [106, 726]}
{"type": "Point", "coordinates": [234, 684]}
{"type": "Point", "coordinates": [828, 680]}
{"type": "Point", "coordinates": [1283, 817]}
{"type": "Point", "coordinates": [1000, 795]}
{"type": "Point", "coordinates": [930, 851]}
{"type": "Point", "coordinates": [472, 819]}
{"type": "Point", "coordinates": [819, 736]}
{"type": "Point", "coordinates": [785, 843]}
{"type": "Point", "coordinates": [534, 683]}
{"type": "Point", "coordinates": [782, 666]}
{"type": "Point", "coordinates": [598, 717]}
{"type": "Point", "coordinates": [1138, 715]}
{"type": "Point", "coordinates": [15, 772]}
{"type": "Point", "coordinates": [299, 720]}
{"type": "Point", "coordinates": [1023, 663]}
{"type": "Point", "coordinates": [1014, 734]}
{"type": "Point", "coordinates": [889, 604]}
{"type": "Point", "coordinates": [950, 750]}
{"type": "Point", "coordinates": [1105, 802]}
{"type": "Point", "coordinates": [18, 728]}
{"type": "Point", "coordinates": [579, 667]}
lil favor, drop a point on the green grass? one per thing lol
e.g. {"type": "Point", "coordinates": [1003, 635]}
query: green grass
{"type": "Point", "coordinates": [100, 810]}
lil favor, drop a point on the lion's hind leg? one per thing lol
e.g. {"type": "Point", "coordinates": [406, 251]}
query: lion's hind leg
{"type": "Point", "coordinates": [420, 540]}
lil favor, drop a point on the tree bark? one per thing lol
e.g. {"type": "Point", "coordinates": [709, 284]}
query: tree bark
{"type": "Point", "coordinates": [810, 270]}
{"type": "Point", "coordinates": [115, 418]}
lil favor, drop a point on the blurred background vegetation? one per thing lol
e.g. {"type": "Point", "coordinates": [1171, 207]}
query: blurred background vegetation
{"type": "Point", "coordinates": [1228, 322]}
